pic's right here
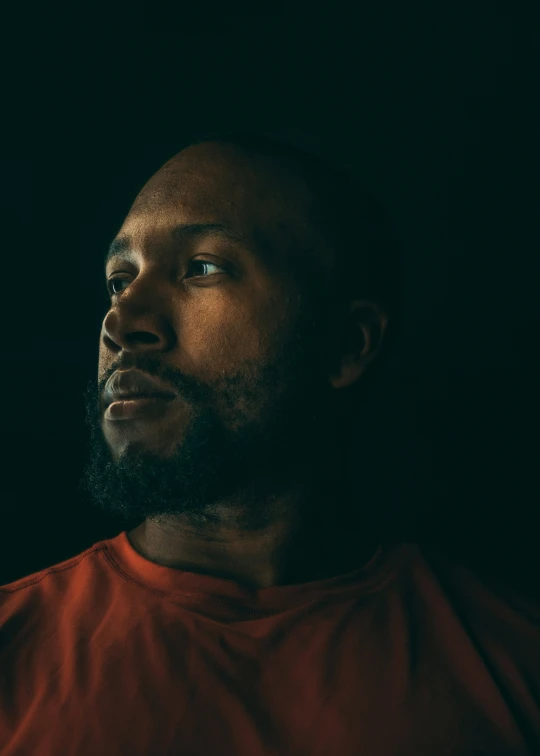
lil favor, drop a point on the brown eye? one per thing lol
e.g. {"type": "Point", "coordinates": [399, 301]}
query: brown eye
{"type": "Point", "coordinates": [204, 264]}
{"type": "Point", "coordinates": [111, 285]}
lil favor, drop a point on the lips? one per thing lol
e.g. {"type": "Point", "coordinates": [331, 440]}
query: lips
{"type": "Point", "coordinates": [128, 384]}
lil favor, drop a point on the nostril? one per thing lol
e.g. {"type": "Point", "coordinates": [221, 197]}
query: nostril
{"type": "Point", "coordinates": [139, 337]}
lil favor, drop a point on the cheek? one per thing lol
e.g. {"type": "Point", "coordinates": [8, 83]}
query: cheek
{"type": "Point", "coordinates": [225, 334]}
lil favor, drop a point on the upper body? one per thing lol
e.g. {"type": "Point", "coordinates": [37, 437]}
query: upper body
{"type": "Point", "coordinates": [409, 655]}
{"type": "Point", "coordinates": [252, 288]}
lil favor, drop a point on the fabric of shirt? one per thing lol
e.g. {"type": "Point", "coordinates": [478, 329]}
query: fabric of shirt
{"type": "Point", "coordinates": [108, 653]}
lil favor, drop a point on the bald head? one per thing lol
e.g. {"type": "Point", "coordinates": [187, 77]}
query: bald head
{"type": "Point", "coordinates": [243, 174]}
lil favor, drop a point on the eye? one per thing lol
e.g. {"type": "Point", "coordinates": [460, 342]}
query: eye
{"type": "Point", "coordinates": [204, 264]}
{"type": "Point", "coordinates": [111, 284]}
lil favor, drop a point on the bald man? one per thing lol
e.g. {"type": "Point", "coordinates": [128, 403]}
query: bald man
{"type": "Point", "coordinates": [253, 610]}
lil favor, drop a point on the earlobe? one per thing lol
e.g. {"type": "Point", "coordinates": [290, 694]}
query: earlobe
{"type": "Point", "coordinates": [363, 340]}
{"type": "Point", "coordinates": [350, 373]}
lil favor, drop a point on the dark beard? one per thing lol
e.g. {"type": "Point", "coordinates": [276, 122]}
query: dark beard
{"type": "Point", "coordinates": [257, 452]}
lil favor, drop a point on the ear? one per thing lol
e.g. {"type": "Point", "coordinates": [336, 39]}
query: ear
{"type": "Point", "coordinates": [360, 341]}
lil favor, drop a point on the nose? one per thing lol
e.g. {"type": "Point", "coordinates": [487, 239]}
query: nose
{"type": "Point", "coordinates": [132, 325]}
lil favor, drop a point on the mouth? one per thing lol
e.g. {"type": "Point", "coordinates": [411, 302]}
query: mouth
{"type": "Point", "coordinates": [134, 385]}
{"type": "Point", "coordinates": [138, 406]}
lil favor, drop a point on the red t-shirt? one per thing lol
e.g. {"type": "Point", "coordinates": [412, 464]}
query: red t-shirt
{"type": "Point", "coordinates": [108, 653]}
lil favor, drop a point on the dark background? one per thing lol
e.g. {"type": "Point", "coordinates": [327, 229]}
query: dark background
{"type": "Point", "coordinates": [433, 107]}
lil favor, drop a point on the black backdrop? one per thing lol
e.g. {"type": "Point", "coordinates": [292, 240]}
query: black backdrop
{"type": "Point", "coordinates": [435, 108]}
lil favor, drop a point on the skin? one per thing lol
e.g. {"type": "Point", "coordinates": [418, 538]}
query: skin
{"type": "Point", "coordinates": [241, 479]}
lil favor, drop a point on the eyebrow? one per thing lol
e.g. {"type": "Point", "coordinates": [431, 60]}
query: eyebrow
{"type": "Point", "coordinates": [122, 245]}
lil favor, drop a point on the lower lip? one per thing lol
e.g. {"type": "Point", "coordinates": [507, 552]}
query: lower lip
{"type": "Point", "coordinates": [129, 409]}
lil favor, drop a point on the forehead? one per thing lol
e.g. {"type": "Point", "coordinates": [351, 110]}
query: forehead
{"type": "Point", "coordinates": [218, 183]}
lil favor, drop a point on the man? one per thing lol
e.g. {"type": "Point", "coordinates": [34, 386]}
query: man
{"type": "Point", "coordinates": [254, 609]}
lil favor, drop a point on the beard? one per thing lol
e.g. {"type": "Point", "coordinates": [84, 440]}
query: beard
{"type": "Point", "coordinates": [245, 440]}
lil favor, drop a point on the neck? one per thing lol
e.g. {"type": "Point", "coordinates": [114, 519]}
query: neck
{"type": "Point", "coordinates": [309, 533]}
